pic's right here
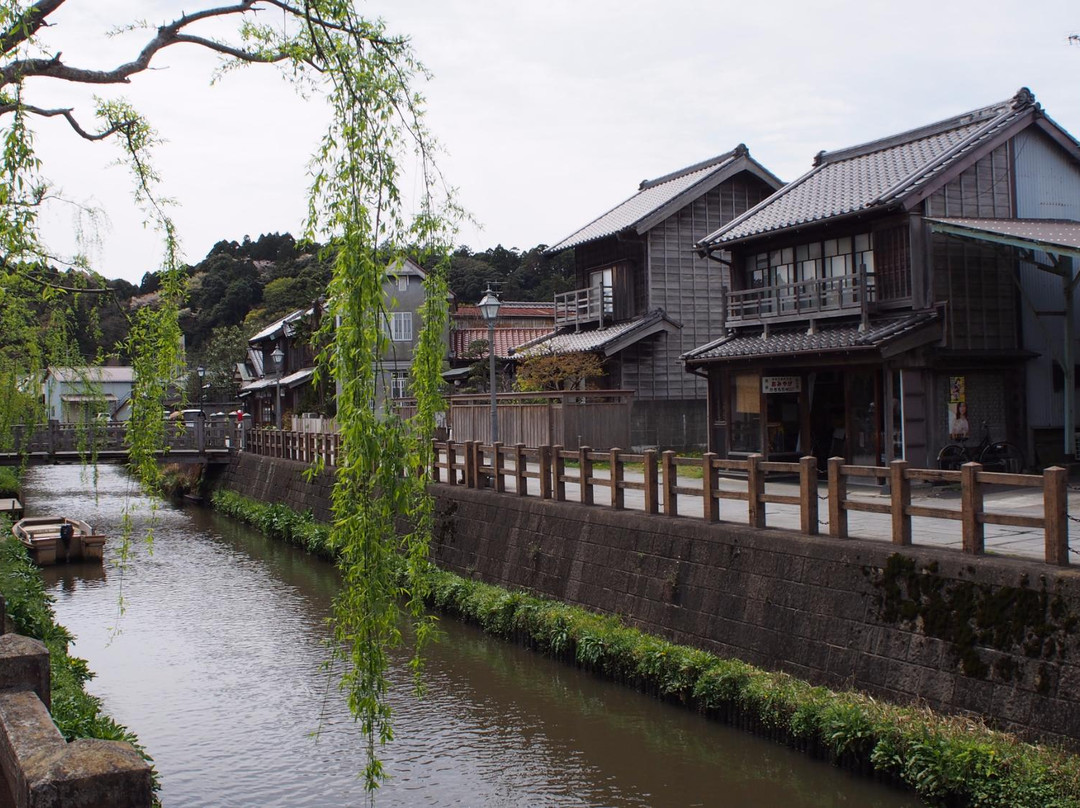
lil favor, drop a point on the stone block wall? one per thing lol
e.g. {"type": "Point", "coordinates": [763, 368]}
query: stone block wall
{"type": "Point", "coordinates": [42, 770]}
{"type": "Point", "coordinates": [992, 636]}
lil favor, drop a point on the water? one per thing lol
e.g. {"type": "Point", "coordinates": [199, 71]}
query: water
{"type": "Point", "coordinates": [217, 665]}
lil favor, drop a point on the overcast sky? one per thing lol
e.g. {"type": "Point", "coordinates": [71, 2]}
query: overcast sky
{"type": "Point", "coordinates": [549, 113]}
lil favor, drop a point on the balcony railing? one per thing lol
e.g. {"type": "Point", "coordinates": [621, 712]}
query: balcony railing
{"type": "Point", "coordinates": [820, 297]}
{"type": "Point", "coordinates": [592, 305]}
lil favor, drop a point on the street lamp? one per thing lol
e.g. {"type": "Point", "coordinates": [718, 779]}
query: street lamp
{"type": "Point", "coordinates": [201, 371]}
{"type": "Point", "coordinates": [489, 309]}
{"type": "Point", "coordinates": [279, 358]}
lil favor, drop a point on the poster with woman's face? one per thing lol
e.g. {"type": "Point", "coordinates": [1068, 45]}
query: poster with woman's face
{"type": "Point", "coordinates": [959, 428]}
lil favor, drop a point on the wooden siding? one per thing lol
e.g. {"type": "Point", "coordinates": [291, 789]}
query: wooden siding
{"type": "Point", "coordinates": [688, 288]}
{"type": "Point", "coordinates": [977, 281]}
{"type": "Point", "coordinates": [982, 191]}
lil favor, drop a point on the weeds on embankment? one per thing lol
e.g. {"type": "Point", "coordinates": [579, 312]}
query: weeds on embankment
{"type": "Point", "coordinates": [946, 760]}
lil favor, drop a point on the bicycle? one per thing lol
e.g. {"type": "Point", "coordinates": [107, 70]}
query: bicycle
{"type": "Point", "coordinates": [998, 456]}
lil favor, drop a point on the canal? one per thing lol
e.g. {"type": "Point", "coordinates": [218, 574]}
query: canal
{"type": "Point", "coordinates": [211, 649]}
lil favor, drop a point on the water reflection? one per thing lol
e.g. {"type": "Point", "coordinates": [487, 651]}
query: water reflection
{"type": "Point", "coordinates": [218, 666]}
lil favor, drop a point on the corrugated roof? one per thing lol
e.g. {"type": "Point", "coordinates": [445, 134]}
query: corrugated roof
{"type": "Point", "coordinates": [283, 325]}
{"type": "Point", "coordinates": [1048, 235]}
{"type": "Point", "coordinates": [879, 173]}
{"type": "Point", "coordinates": [97, 374]}
{"type": "Point", "coordinates": [652, 196]}
{"type": "Point", "coordinates": [506, 339]}
{"type": "Point", "coordinates": [826, 338]}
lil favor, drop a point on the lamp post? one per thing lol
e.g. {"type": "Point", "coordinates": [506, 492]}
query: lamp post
{"type": "Point", "coordinates": [279, 357]}
{"type": "Point", "coordinates": [201, 371]}
{"type": "Point", "coordinates": [489, 310]}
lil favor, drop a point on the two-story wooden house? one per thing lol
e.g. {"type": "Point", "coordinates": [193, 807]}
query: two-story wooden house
{"type": "Point", "coordinates": [854, 326]}
{"type": "Point", "coordinates": [646, 296]}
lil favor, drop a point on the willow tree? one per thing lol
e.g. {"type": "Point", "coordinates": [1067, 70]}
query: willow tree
{"type": "Point", "coordinates": [367, 77]}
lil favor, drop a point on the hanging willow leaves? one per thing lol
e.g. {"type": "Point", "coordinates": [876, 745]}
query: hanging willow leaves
{"type": "Point", "coordinates": [382, 510]}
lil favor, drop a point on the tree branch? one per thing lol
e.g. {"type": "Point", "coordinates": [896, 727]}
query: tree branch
{"type": "Point", "coordinates": [167, 35]}
{"type": "Point", "coordinates": [67, 114]}
{"type": "Point", "coordinates": [29, 24]}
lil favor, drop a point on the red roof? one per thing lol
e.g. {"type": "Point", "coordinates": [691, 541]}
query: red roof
{"type": "Point", "coordinates": [510, 309]}
{"type": "Point", "coordinates": [505, 339]}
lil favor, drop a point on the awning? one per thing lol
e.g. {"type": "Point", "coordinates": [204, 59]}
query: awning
{"type": "Point", "coordinates": [297, 378]}
{"type": "Point", "coordinates": [1057, 236]}
{"type": "Point", "coordinates": [608, 341]}
{"type": "Point", "coordinates": [85, 399]}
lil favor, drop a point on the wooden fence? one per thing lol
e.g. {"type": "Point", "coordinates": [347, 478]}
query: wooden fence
{"type": "Point", "coordinates": [656, 475]}
{"type": "Point", "coordinates": [545, 471]}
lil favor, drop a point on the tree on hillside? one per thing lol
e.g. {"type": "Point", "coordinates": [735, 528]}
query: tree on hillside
{"type": "Point", "coordinates": [367, 76]}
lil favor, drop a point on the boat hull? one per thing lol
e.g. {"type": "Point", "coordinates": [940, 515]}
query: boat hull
{"type": "Point", "coordinates": [59, 540]}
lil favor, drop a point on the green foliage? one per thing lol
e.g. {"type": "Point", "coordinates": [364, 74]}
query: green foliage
{"type": "Point", "coordinates": [277, 521]}
{"type": "Point", "coordinates": [9, 482]}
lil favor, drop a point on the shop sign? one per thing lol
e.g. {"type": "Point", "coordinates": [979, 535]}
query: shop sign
{"type": "Point", "coordinates": [781, 384]}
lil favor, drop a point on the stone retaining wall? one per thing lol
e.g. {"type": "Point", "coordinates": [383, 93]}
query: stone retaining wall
{"type": "Point", "coordinates": [42, 770]}
{"type": "Point", "coordinates": [991, 636]}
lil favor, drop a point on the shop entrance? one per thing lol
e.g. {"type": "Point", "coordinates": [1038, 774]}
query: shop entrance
{"type": "Point", "coordinates": [828, 428]}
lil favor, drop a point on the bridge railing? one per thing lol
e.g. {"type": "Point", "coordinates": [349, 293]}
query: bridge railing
{"type": "Point", "coordinates": [677, 486]}
{"type": "Point", "coordinates": [63, 440]}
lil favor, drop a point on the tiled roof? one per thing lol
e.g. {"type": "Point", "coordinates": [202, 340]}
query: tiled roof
{"type": "Point", "coordinates": [874, 174]}
{"type": "Point", "coordinates": [94, 374]}
{"type": "Point", "coordinates": [604, 340]}
{"type": "Point", "coordinates": [827, 338]}
{"type": "Point", "coordinates": [653, 195]}
{"type": "Point", "coordinates": [505, 339]}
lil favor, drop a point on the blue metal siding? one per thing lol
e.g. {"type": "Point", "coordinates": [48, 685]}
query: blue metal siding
{"type": "Point", "coordinates": [1047, 187]}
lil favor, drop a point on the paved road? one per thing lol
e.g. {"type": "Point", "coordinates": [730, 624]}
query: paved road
{"type": "Point", "coordinates": [1003, 540]}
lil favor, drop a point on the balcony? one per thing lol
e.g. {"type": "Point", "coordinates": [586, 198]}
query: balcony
{"type": "Point", "coordinates": [592, 305]}
{"type": "Point", "coordinates": [818, 298]}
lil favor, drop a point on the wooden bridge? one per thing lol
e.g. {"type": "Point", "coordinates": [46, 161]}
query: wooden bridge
{"type": "Point", "coordinates": [201, 440]}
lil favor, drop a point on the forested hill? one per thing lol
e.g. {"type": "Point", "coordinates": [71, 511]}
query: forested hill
{"type": "Point", "coordinates": [250, 283]}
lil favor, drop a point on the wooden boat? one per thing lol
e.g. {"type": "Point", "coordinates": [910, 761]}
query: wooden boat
{"type": "Point", "coordinates": [58, 539]}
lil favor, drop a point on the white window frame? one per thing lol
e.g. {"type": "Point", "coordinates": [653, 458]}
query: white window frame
{"type": "Point", "coordinates": [403, 283]}
{"type": "Point", "coordinates": [401, 326]}
{"type": "Point", "coordinates": [399, 384]}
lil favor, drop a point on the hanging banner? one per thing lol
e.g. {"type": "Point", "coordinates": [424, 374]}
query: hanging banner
{"type": "Point", "coordinates": [781, 384]}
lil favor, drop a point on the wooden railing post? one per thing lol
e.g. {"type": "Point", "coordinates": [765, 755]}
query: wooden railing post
{"type": "Point", "coordinates": [470, 464]}
{"type": "Point", "coordinates": [451, 460]}
{"type": "Point", "coordinates": [838, 526]}
{"type": "Point", "coordinates": [669, 481]}
{"type": "Point", "coordinates": [808, 500]}
{"type": "Point", "coordinates": [755, 489]}
{"type": "Point", "coordinates": [436, 476]}
{"type": "Point", "coordinates": [558, 473]}
{"type": "Point", "coordinates": [971, 504]}
{"type": "Point", "coordinates": [652, 504]}
{"type": "Point", "coordinates": [498, 472]}
{"type": "Point", "coordinates": [900, 486]}
{"type": "Point", "coordinates": [545, 472]}
{"type": "Point", "coordinates": [585, 473]}
{"type": "Point", "coordinates": [709, 482]}
{"type": "Point", "coordinates": [618, 498]}
{"type": "Point", "coordinates": [521, 481]}
{"type": "Point", "coordinates": [1056, 514]}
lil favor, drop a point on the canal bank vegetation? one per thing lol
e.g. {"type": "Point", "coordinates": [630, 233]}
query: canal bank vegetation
{"type": "Point", "coordinates": [76, 713]}
{"type": "Point", "coordinates": [946, 760]}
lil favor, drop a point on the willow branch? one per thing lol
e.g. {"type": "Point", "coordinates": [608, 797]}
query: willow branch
{"type": "Point", "coordinates": [29, 24]}
{"type": "Point", "coordinates": [68, 115]}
